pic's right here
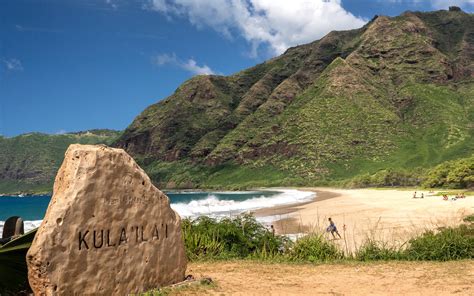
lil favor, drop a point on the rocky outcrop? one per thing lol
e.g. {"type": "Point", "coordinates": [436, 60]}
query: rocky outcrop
{"type": "Point", "coordinates": [107, 230]}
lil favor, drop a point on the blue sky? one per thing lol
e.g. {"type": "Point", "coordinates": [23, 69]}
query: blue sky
{"type": "Point", "coordinates": [71, 65]}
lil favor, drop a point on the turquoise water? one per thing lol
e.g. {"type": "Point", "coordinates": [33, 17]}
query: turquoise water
{"type": "Point", "coordinates": [188, 204]}
{"type": "Point", "coordinates": [28, 207]}
{"type": "Point", "coordinates": [34, 207]}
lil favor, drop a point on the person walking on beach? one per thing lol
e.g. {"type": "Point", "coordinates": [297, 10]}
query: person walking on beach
{"type": "Point", "coordinates": [333, 229]}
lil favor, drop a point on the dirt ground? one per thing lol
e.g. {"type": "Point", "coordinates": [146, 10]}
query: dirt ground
{"type": "Point", "coordinates": [393, 278]}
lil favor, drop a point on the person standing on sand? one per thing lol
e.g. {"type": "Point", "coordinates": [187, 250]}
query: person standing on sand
{"type": "Point", "coordinates": [333, 229]}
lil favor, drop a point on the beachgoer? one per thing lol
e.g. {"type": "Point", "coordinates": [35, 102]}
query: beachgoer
{"type": "Point", "coordinates": [414, 195]}
{"type": "Point", "coordinates": [445, 197]}
{"type": "Point", "coordinates": [422, 196]}
{"type": "Point", "coordinates": [333, 229]}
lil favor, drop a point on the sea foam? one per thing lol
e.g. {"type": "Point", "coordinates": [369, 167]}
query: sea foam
{"type": "Point", "coordinates": [214, 207]}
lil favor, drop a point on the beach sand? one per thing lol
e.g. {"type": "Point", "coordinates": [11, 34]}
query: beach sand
{"type": "Point", "coordinates": [388, 215]}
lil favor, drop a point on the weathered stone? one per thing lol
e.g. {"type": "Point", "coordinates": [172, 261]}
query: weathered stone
{"type": "Point", "coordinates": [107, 230]}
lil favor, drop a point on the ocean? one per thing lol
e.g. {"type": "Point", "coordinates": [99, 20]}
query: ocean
{"type": "Point", "coordinates": [188, 204]}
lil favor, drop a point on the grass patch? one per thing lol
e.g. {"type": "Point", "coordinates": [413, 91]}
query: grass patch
{"type": "Point", "coordinates": [238, 237]}
{"type": "Point", "coordinates": [195, 288]}
{"type": "Point", "coordinates": [314, 248]}
{"type": "Point", "coordinates": [373, 250]}
{"type": "Point", "coordinates": [448, 244]}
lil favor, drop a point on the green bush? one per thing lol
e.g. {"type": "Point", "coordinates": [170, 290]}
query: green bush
{"type": "Point", "coordinates": [314, 247]}
{"type": "Point", "coordinates": [373, 250]}
{"type": "Point", "coordinates": [387, 178]}
{"type": "Point", "coordinates": [238, 237]}
{"type": "Point", "coordinates": [452, 174]}
{"type": "Point", "coordinates": [448, 244]}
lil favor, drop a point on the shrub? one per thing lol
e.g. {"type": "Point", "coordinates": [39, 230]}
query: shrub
{"type": "Point", "coordinates": [314, 247]}
{"type": "Point", "coordinates": [237, 237]}
{"type": "Point", "coordinates": [448, 244]}
{"type": "Point", "coordinates": [452, 174]}
{"type": "Point", "coordinates": [387, 178]}
{"type": "Point", "coordinates": [373, 250]}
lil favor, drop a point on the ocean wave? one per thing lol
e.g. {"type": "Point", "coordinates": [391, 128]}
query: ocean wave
{"type": "Point", "coordinates": [213, 206]}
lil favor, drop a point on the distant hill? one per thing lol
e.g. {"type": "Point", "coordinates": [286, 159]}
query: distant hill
{"type": "Point", "coordinates": [396, 95]}
{"type": "Point", "coordinates": [29, 162]}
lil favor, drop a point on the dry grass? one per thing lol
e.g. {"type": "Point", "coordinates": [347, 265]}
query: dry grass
{"type": "Point", "coordinates": [394, 278]}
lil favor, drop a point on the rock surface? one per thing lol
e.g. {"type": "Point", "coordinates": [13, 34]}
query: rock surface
{"type": "Point", "coordinates": [107, 230]}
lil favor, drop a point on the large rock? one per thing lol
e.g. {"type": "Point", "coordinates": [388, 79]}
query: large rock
{"type": "Point", "coordinates": [107, 230]}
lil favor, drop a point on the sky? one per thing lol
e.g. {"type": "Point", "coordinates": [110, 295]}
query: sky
{"type": "Point", "coordinates": [74, 65]}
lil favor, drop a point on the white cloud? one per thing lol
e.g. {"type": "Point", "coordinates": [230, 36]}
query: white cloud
{"type": "Point", "coordinates": [190, 65]}
{"type": "Point", "coordinates": [277, 23]}
{"type": "Point", "coordinates": [13, 64]}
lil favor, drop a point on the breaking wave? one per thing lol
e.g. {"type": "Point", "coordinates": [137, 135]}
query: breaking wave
{"type": "Point", "coordinates": [214, 207]}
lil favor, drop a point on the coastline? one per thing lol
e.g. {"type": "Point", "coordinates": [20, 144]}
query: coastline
{"type": "Point", "coordinates": [380, 213]}
{"type": "Point", "coordinates": [389, 215]}
{"type": "Point", "coordinates": [284, 223]}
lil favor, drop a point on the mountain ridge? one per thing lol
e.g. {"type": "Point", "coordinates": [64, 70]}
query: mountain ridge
{"type": "Point", "coordinates": [388, 104]}
{"type": "Point", "coordinates": [29, 162]}
{"type": "Point", "coordinates": [323, 110]}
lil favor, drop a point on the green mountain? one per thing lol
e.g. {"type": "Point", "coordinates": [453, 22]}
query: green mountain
{"type": "Point", "coordinates": [29, 162]}
{"type": "Point", "coordinates": [396, 95]}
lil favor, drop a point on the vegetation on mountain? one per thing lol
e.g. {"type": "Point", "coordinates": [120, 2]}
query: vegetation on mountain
{"type": "Point", "coordinates": [389, 104]}
{"type": "Point", "coordinates": [29, 162]}
{"type": "Point", "coordinates": [453, 174]}
{"type": "Point", "coordinates": [379, 105]}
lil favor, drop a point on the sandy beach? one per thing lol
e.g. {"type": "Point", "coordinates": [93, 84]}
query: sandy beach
{"type": "Point", "coordinates": [388, 215]}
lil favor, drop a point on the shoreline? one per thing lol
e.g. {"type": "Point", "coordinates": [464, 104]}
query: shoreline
{"type": "Point", "coordinates": [284, 223]}
{"type": "Point", "coordinates": [388, 215]}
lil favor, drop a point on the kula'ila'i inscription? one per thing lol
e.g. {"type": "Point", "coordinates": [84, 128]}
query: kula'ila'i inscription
{"type": "Point", "coordinates": [106, 238]}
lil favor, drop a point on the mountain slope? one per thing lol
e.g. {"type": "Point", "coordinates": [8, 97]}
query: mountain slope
{"type": "Point", "coordinates": [29, 162]}
{"type": "Point", "coordinates": [397, 93]}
